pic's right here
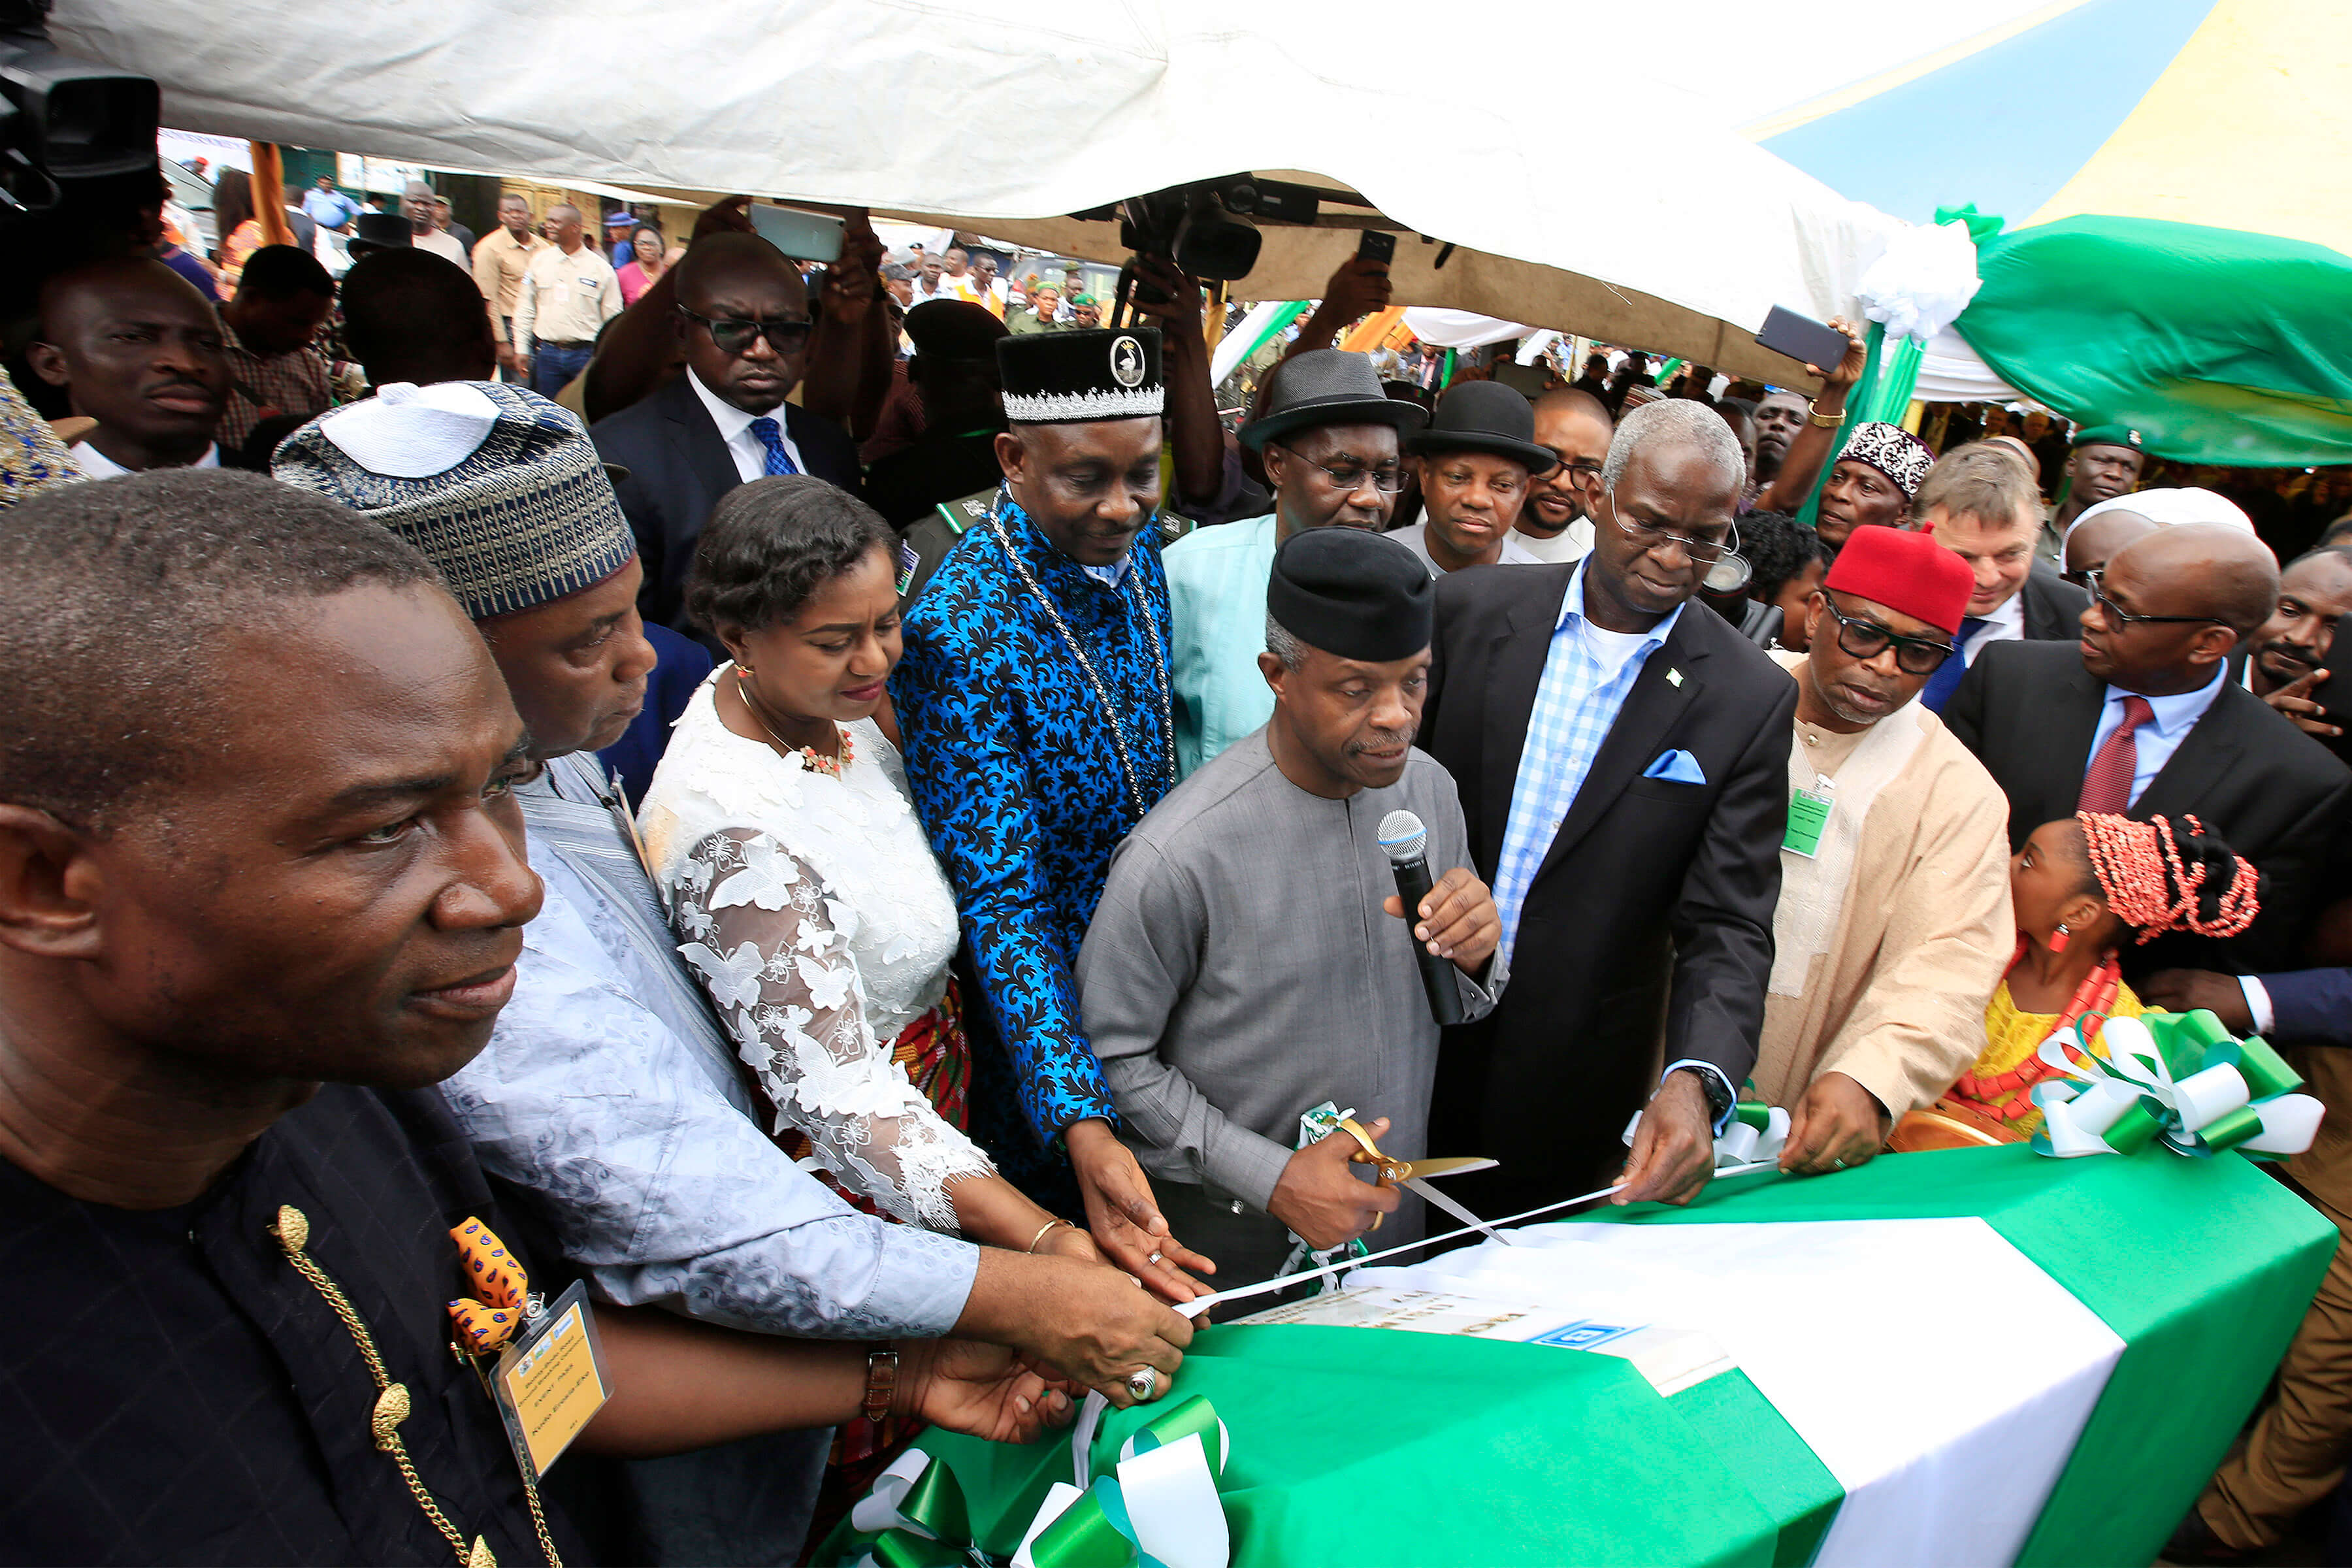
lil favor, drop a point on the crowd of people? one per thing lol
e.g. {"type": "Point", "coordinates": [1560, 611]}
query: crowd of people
{"type": "Point", "coordinates": [847, 813]}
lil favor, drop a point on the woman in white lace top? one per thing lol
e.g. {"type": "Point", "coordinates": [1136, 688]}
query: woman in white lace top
{"type": "Point", "coordinates": [801, 884]}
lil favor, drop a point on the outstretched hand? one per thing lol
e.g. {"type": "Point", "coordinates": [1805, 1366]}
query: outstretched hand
{"type": "Point", "coordinates": [1123, 1218]}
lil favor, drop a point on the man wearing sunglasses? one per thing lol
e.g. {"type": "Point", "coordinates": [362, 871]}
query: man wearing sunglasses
{"type": "Point", "coordinates": [1623, 763]}
{"type": "Point", "coordinates": [742, 316]}
{"type": "Point", "coordinates": [1894, 922]}
{"type": "Point", "coordinates": [2140, 717]}
{"type": "Point", "coordinates": [1556, 524]}
{"type": "Point", "coordinates": [1328, 437]}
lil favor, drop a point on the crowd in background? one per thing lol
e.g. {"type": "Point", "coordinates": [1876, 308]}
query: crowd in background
{"type": "Point", "coordinates": [893, 898]}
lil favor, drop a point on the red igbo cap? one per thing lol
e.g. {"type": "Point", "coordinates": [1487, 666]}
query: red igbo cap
{"type": "Point", "coordinates": [1906, 572]}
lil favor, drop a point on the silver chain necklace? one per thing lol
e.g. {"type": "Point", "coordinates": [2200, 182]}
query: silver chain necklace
{"type": "Point", "coordinates": [1086, 666]}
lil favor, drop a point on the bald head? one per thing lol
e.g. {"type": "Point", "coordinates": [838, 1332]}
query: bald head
{"type": "Point", "coordinates": [1576, 427]}
{"type": "Point", "coordinates": [719, 263]}
{"type": "Point", "coordinates": [138, 351]}
{"type": "Point", "coordinates": [2204, 569]}
{"type": "Point", "coordinates": [732, 279]}
{"type": "Point", "coordinates": [2092, 544]}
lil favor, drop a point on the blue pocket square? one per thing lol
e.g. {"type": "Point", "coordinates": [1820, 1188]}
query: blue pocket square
{"type": "Point", "coordinates": [1675, 767]}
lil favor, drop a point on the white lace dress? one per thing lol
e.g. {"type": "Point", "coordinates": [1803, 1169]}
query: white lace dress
{"type": "Point", "coordinates": [820, 923]}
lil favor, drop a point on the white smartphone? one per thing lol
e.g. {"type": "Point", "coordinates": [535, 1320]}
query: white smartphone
{"type": "Point", "coordinates": [804, 236]}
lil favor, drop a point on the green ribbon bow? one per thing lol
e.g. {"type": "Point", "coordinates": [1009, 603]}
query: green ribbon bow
{"type": "Point", "coordinates": [1157, 1505]}
{"type": "Point", "coordinates": [2178, 1078]}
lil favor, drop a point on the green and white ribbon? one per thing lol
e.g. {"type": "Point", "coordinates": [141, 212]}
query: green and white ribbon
{"type": "Point", "coordinates": [1156, 1506]}
{"type": "Point", "coordinates": [2175, 1077]}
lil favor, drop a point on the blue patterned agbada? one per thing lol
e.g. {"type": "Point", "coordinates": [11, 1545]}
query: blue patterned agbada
{"type": "Point", "coordinates": [1016, 773]}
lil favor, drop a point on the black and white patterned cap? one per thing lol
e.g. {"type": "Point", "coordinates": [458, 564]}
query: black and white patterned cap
{"type": "Point", "coordinates": [499, 487]}
{"type": "Point", "coordinates": [1071, 378]}
{"type": "Point", "coordinates": [1893, 451]}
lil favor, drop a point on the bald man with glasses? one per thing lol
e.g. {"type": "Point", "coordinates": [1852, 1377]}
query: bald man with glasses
{"type": "Point", "coordinates": [1329, 438]}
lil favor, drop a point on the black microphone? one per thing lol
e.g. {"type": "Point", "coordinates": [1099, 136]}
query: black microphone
{"type": "Point", "coordinates": [1405, 842]}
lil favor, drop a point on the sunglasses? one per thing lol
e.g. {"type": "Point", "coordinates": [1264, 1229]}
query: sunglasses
{"type": "Point", "coordinates": [735, 337]}
{"type": "Point", "coordinates": [1862, 639]}
{"type": "Point", "coordinates": [2119, 619]}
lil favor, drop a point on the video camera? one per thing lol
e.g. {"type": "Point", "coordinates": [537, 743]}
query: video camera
{"type": "Point", "coordinates": [63, 121]}
{"type": "Point", "coordinates": [1207, 229]}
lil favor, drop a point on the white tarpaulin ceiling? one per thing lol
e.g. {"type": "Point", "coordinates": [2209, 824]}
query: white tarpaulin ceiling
{"type": "Point", "coordinates": [1585, 161]}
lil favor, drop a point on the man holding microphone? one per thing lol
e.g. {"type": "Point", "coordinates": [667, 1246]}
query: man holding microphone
{"type": "Point", "coordinates": [1239, 971]}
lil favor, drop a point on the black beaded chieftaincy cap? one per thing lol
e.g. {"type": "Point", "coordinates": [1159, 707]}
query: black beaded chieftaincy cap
{"type": "Point", "coordinates": [1351, 593]}
{"type": "Point", "coordinates": [1075, 377]}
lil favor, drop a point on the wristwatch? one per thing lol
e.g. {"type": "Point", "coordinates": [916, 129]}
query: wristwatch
{"type": "Point", "coordinates": [1711, 1083]}
{"type": "Point", "coordinates": [881, 1380]}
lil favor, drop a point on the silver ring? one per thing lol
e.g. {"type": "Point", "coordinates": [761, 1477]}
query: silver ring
{"type": "Point", "coordinates": [1841, 1165]}
{"type": "Point", "coordinates": [1143, 1382]}
{"type": "Point", "coordinates": [1154, 1259]}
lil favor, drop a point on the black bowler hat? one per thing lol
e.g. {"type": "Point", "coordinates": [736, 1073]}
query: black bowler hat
{"type": "Point", "coordinates": [1352, 593]}
{"type": "Point", "coordinates": [380, 231]}
{"type": "Point", "coordinates": [1485, 416]}
{"type": "Point", "coordinates": [1327, 386]}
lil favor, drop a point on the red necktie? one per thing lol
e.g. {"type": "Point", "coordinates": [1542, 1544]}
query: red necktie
{"type": "Point", "coordinates": [2106, 784]}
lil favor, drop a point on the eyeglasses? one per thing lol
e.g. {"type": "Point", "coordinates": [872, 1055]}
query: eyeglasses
{"type": "Point", "coordinates": [1867, 639]}
{"type": "Point", "coordinates": [735, 337]}
{"type": "Point", "coordinates": [1350, 477]}
{"type": "Point", "coordinates": [2120, 619]}
{"type": "Point", "coordinates": [1649, 536]}
{"type": "Point", "coordinates": [1584, 469]}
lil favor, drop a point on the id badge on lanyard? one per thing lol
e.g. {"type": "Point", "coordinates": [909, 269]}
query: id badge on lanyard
{"type": "Point", "coordinates": [1809, 816]}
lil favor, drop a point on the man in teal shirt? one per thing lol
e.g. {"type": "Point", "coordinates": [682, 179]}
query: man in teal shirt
{"type": "Point", "coordinates": [1329, 438]}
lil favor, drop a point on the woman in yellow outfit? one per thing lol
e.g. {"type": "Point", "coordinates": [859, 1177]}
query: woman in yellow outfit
{"type": "Point", "coordinates": [2080, 887]}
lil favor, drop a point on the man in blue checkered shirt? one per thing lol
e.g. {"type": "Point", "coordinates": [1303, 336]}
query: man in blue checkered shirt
{"type": "Point", "coordinates": [1622, 758]}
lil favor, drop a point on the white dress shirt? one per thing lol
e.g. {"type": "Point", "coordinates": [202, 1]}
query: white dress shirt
{"type": "Point", "coordinates": [2154, 743]}
{"type": "Point", "coordinates": [1571, 544]}
{"type": "Point", "coordinates": [751, 454]}
{"type": "Point", "coordinates": [96, 465]}
{"type": "Point", "coordinates": [1416, 539]}
{"type": "Point", "coordinates": [443, 244]}
{"type": "Point", "coordinates": [2005, 624]}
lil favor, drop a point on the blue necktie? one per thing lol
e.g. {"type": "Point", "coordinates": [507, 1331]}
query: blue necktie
{"type": "Point", "coordinates": [1938, 689]}
{"type": "Point", "coordinates": [779, 460]}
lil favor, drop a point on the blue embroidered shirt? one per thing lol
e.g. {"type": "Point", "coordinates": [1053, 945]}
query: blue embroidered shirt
{"type": "Point", "coordinates": [1016, 773]}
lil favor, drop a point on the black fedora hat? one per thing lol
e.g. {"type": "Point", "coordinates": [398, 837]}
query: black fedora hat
{"type": "Point", "coordinates": [1485, 416]}
{"type": "Point", "coordinates": [1327, 386]}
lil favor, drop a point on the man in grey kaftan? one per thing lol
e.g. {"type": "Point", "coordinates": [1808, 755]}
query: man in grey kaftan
{"type": "Point", "coordinates": [1240, 968]}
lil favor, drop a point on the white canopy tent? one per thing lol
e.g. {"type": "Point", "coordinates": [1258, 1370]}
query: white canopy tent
{"type": "Point", "coordinates": [1663, 228]}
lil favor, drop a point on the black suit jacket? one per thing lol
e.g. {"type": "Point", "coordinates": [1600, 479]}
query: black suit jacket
{"type": "Point", "coordinates": [678, 467]}
{"type": "Point", "coordinates": [1654, 905]}
{"type": "Point", "coordinates": [2054, 607]}
{"type": "Point", "coordinates": [2028, 711]}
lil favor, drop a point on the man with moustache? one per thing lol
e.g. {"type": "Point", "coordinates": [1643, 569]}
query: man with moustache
{"type": "Point", "coordinates": [1035, 700]}
{"type": "Point", "coordinates": [1473, 462]}
{"type": "Point", "coordinates": [1894, 921]}
{"type": "Point", "coordinates": [2140, 717]}
{"type": "Point", "coordinates": [1623, 767]}
{"type": "Point", "coordinates": [243, 932]}
{"type": "Point", "coordinates": [1872, 483]}
{"type": "Point", "coordinates": [1328, 437]}
{"type": "Point", "coordinates": [1239, 971]}
{"type": "Point", "coordinates": [140, 351]}
{"type": "Point", "coordinates": [2315, 594]}
{"type": "Point", "coordinates": [1556, 523]}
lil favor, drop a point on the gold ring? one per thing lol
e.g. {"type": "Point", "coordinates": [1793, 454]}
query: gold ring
{"type": "Point", "coordinates": [1378, 1215]}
